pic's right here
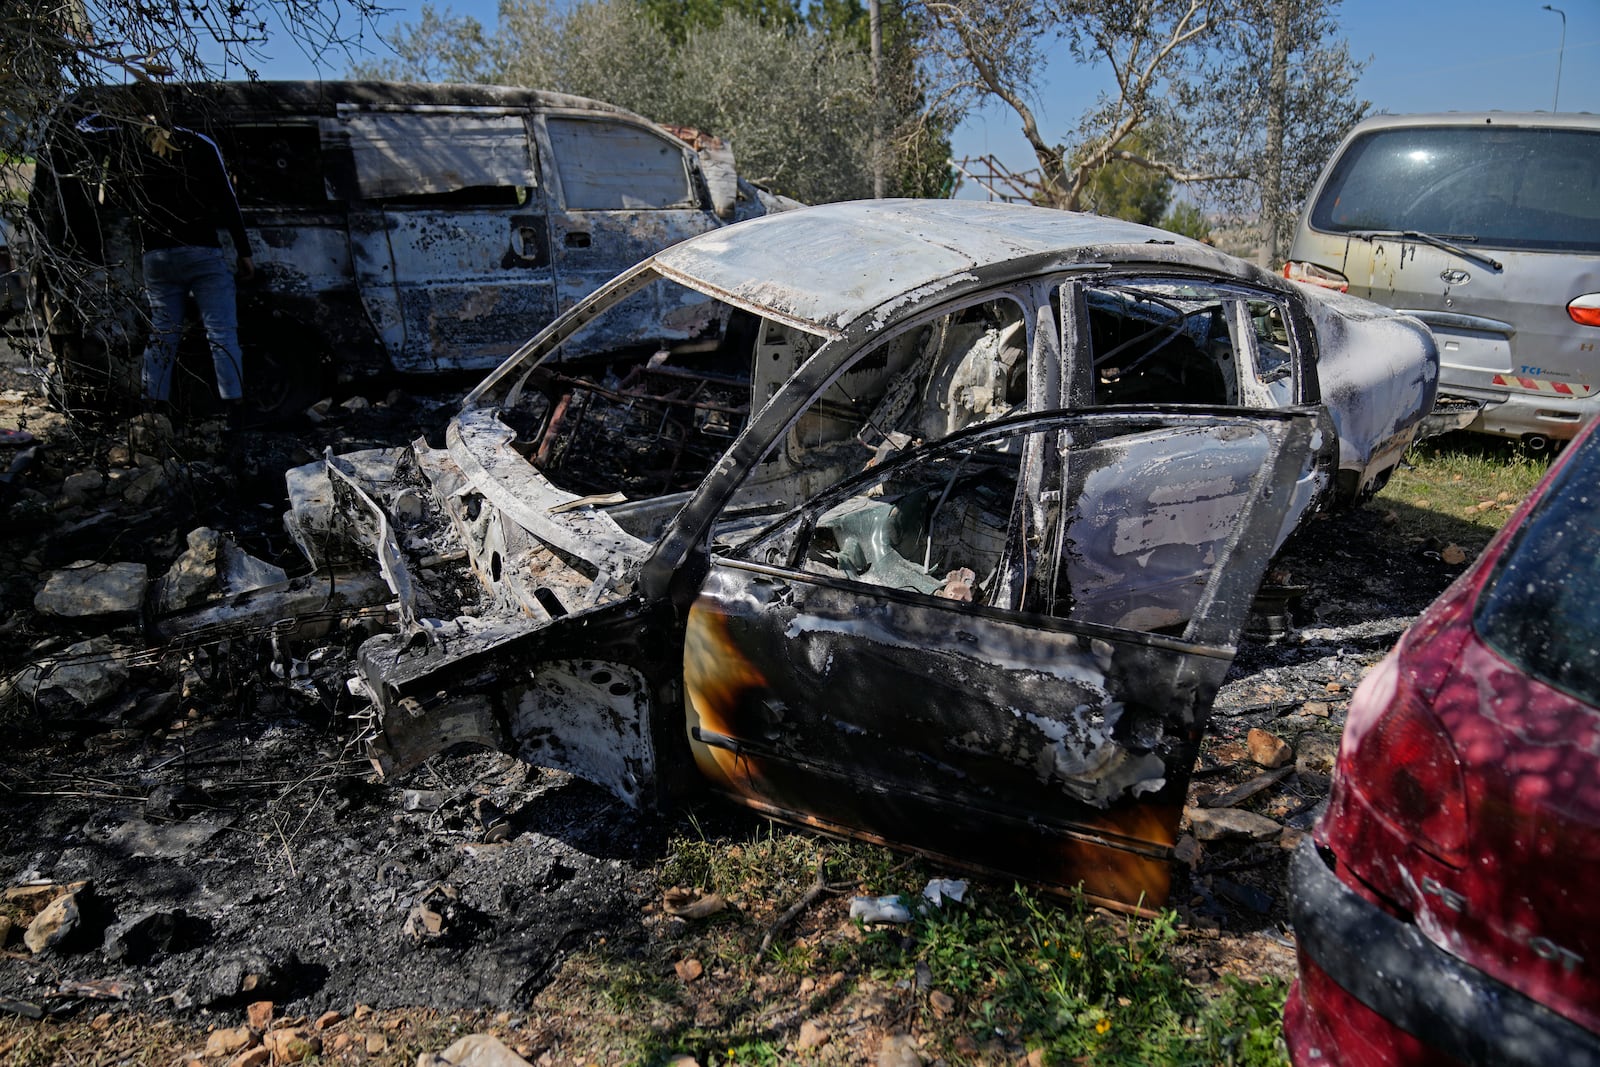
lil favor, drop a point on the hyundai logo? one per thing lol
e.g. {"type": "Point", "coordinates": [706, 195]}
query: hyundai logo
{"type": "Point", "coordinates": [1455, 277]}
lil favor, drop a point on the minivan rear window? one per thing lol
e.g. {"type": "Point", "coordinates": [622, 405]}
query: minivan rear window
{"type": "Point", "coordinates": [1503, 187]}
{"type": "Point", "coordinates": [1541, 608]}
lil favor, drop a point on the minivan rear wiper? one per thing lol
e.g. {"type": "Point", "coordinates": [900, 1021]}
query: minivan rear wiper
{"type": "Point", "coordinates": [1437, 242]}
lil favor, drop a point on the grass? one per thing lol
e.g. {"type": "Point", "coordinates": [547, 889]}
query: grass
{"type": "Point", "coordinates": [1006, 974]}
{"type": "Point", "coordinates": [1462, 479]}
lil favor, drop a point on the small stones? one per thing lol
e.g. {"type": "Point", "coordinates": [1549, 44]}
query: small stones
{"type": "Point", "coordinates": [1221, 824]}
{"type": "Point", "coordinates": [54, 924]}
{"type": "Point", "coordinates": [811, 1036]}
{"type": "Point", "coordinates": [1267, 749]}
{"type": "Point", "coordinates": [227, 1042]}
{"type": "Point", "coordinates": [259, 1015]}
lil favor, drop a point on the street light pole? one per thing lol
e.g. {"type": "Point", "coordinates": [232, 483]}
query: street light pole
{"type": "Point", "coordinates": [1559, 55]}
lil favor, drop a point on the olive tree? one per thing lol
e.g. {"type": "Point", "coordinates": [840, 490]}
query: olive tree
{"type": "Point", "coordinates": [1239, 100]}
{"type": "Point", "coordinates": [794, 96]}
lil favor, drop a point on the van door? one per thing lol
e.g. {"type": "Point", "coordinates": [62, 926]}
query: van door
{"type": "Point", "coordinates": [448, 233]}
{"type": "Point", "coordinates": [620, 191]}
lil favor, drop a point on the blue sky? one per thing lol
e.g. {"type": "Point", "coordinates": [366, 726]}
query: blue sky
{"type": "Point", "coordinates": [1422, 56]}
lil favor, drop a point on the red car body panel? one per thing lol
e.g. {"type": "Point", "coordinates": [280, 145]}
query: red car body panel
{"type": "Point", "coordinates": [1516, 898]}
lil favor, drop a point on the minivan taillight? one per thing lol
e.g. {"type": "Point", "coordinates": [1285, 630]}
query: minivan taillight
{"type": "Point", "coordinates": [1406, 769]}
{"type": "Point", "coordinates": [1311, 274]}
{"type": "Point", "coordinates": [1585, 310]}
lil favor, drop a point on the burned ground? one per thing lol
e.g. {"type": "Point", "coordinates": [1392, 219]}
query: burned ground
{"type": "Point", "coordinates": [237, 847]}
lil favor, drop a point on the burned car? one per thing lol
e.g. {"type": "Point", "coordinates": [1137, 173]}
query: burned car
{"type": "Point", "coordinates": [395, 227]}
{"type": "Point", "coordinates": [923, 521]}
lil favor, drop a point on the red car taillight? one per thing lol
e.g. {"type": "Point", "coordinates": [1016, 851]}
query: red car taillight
{"type": "Point", "coordinates": [1585, 310]}
{"type": "Point", "coordinates": [1400, 761]}
{"type": "Point", "coordinates": [1311, 274]}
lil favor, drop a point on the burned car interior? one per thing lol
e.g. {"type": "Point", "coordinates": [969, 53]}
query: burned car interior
{"type": "Point", "coordinates": [960, 570]}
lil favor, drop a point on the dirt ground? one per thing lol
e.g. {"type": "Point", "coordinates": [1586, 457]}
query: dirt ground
{"type": "Point", "coordinates": [237, 848]}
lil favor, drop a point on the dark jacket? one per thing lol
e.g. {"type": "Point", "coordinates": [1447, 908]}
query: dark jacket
{"type": "Point", "coordinates": [180, 193]}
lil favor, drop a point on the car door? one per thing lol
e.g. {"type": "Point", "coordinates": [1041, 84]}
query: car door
{"type": "Point", "coordinates": [1000, 648]}
{"type": "Point", "coordinates": [620, 192]}
{"type": "Point", "coordinates": [448, 234]}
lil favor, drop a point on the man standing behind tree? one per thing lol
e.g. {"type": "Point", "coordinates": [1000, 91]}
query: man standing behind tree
{"type": "Point", "coordinates": [182, 197]}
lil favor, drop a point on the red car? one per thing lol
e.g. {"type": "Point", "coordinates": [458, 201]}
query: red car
{"type": "Point", "coordinates": [1447, 906]}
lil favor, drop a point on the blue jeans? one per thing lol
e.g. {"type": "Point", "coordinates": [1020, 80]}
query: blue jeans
{"type": "Point", "coordinates": [170, 274]}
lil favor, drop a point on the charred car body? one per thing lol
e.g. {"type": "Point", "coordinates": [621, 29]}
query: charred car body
{"type": "Point", "coordinates": [417, 228]}
{"type": "Point", "coordinates": [922, 521]}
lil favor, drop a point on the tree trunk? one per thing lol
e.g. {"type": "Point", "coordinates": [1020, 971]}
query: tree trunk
{"type": "Point", "coordinates": [1277, 105]}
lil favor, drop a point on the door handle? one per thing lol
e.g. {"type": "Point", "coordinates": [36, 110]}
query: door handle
{"type": "Point", "coordinates": [525, 243]}
{"type": "Point", "coordinates": [576, 239]}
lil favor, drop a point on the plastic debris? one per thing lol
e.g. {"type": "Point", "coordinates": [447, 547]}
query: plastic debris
{"type": "Point", "coordinates": [889, 909]}
{"type": "Point", "coordinates": [938, 890]}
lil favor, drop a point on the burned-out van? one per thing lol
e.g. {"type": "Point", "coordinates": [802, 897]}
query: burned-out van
{"type": "Point", "coordinates": [414, 228]}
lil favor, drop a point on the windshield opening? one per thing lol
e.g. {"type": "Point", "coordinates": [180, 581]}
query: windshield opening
{"type": "Point", "coordinates": [1530, 189]}
{"type": "Point", "coordinates": [641, 399]}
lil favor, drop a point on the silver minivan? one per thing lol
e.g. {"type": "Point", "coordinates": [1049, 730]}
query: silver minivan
{"type": "Point", "coordinates": [1486, 226]}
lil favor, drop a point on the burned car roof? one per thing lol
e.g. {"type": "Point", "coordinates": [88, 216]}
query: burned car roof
{"type": "Point", "coordinates": [831, 264]}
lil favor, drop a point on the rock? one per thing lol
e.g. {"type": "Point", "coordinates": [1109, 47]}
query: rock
{"type": "Point", "coordinates": [356, 403]}
{"type": "Point", "coordinates": [227, 1042]}
{"type": "Point", "coordinates": [291, 1045]}
{"type": "Point", "coordinates": [942, 1003]}
{"type": "Point", "coordinates": [5, 930]}
{"type": "Point", "coordinates": [175, 840]}
{"type": "Point", "coordinates": [84, 676]}
{"type": "Point", "coordinates": [149, 432]}
{"type": "Point", "coordinates": [474, 1050]}
{"type": "Point", "coordinates": [193, 576]}
{"type": "Point", "coordinates": [146, 485]}
{"type": "Point", "coordinates": [1320, 708]}
{"type": "Point", "coordinates": [327, 1019]}
{"type": "Point", "coordinates": [898, 1050]}
{"type": "Point", "coordinates": [811, 1036]}
{"type": "Point", "coordinates": [83, 486]}
{"type": "Point", "coordinates": [146, 934]}
{"type": "Point", "coordinates": [688, 970]}
{"type": "Point", "coordinates": [1221, 824]}
{"type": "Point", "coordinates": [88, 589]}
{"type": "Point", "coordinates": [376, 1043]}
{"type": "Point", "coordinates": [240, 975]}
{"type": "Point", "coordinates": [54, 924]}
{"type": "Point", "coordinates": [1268, 749]}
{"type": "Point", "coordinates": [339, 1042]}
{"type": "Point", "coordinates": [259, 1015]}
{"type": "Point", "coordinates": [119, 456]}
{"type": "Point", "coordinates": [259, 1056]}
